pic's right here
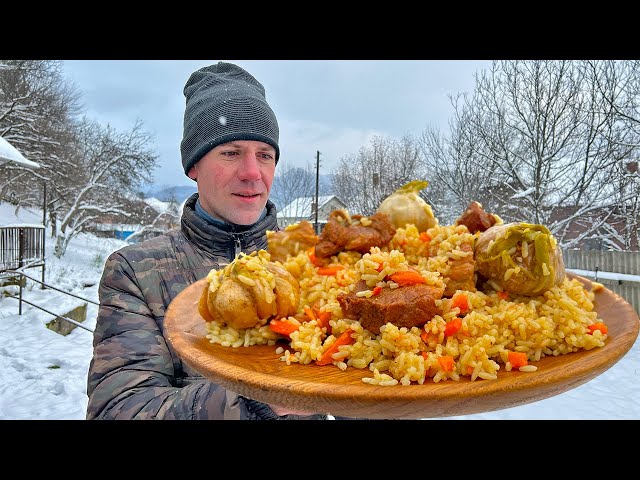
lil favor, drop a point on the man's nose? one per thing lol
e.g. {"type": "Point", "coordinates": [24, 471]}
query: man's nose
{"type": "Point", "coordinates": [250, 167]}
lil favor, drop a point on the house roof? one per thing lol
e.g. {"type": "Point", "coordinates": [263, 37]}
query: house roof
{"type": "Point", "coordinates": [9, 153]}
{"type": "Point", "coordinates": [301, 206]}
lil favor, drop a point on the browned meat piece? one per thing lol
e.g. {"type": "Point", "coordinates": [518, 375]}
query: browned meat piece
{"type": "Point", "coordinates": [476, 219]}
{"type": "Point", "coordinates": [461, 275]}
{"type": "Point", "coordinates": [409, 306]}
{"type": "Point", "coordinates": [329, 241]}
{"type": "Point", "coordinates": [341, 234]}
{"type": "Point", "coordinates": [291, 240]}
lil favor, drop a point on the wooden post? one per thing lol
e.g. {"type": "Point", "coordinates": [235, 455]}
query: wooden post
{"type": "Point", "coordinates": [20, 247]}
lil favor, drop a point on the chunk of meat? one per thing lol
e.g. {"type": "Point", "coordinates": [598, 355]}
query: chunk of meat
{"type": "Point", "coordinates": [344, 232]}
{"type": "Point", "coordinates": [409, 306]}
{"type": "Point", "coordinates": [461, 273]}
{"type": "Point", "coordinates": [291, 240]}
{"type": "Point", "coordinates": [476, 219]}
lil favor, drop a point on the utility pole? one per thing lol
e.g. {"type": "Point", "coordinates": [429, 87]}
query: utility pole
{"type": "Point", "coordinates": [315, 225]}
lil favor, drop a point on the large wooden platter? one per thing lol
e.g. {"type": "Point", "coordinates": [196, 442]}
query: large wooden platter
{"type": "Point", "coordinates": [257, 372]}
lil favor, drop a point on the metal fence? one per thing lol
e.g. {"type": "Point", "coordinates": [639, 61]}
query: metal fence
{"type": "Point", "coordinates": [604, 261]}
{"type": "Point", "coordinates": [21, 246]}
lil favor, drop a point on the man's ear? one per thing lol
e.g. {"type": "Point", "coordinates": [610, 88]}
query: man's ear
{"type": "Point", "coordinates": [193, 173]}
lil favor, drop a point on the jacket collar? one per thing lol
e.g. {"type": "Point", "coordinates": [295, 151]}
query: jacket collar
{"type": "Point", "coordinates": [220, 240]}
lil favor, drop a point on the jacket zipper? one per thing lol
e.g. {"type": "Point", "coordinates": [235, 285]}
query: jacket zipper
{"type": "Point", "coordinates": [237, 239]}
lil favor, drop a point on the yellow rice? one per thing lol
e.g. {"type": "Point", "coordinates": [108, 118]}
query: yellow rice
{"type": "Point", "coordinates": [554, 323]}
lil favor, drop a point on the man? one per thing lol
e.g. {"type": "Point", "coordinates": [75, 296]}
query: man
{"type": "Point", "coordinates": [230, 148]}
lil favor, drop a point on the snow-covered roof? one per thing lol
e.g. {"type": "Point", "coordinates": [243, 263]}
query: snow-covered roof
{"type": "Point", "coordinates": [301, 206]}
{"type": "Point", "coordinates": [118, 227]}
{"type": "Point", "coordinates": [158, 205]}
{"type": "Point", "coordinates": [22, 225]}
{"type": "Point", "coordinates": [9, 153]}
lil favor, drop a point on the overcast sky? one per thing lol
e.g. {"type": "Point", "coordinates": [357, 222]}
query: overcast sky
{"type": "Point", "coordinates": [331, 106]}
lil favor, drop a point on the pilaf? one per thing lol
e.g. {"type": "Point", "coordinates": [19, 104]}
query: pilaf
{"type": "Point", "coordinates": [478, 332]}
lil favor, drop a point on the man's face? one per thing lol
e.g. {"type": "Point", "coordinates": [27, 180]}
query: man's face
{"type": "Point", "coordinates": [234, 180]}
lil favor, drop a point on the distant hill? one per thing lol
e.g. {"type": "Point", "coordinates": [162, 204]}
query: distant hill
{"type": "Point", "coordinates": [166, 193]}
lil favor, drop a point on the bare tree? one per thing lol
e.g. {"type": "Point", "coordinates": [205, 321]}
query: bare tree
{"type": "Point", "coordinates": [456, 176]}
{"type": "Point", "coordinates": [36, 110]}
{"type": "Point", "coordinates": [616, 85]}
{"type": "Point", "coordinates": [362, 181]}
{"type": "Point", "coordinates": [161, 223]}
{"type": "Point", "coordinates": [291, 183]}
{"type": "Point", "coordinates": [108, 166]}
{"type": "Point", "coordinates": [542, 145]}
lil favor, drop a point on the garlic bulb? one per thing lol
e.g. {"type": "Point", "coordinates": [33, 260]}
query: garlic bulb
{"type": "Point", "coordinates": [404, 207]}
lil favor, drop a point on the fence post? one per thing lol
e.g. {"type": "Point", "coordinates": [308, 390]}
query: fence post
{"type": "Point", "coordinates": [44, 244]}
{"type": "Point", "coordinates": [20, 294]}
{"type": "Point", "coordinates": [20, 247]}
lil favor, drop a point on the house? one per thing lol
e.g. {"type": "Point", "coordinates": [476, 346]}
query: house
{"type": "Point", "coordinates": [303, 208]}
{"type": "Point", "coordinates": [147, 218]}
{"type": "Point", "coordinates": [121, 231]}
{"type": "Point", "coordinates": [609, 236]}
{"type": "Point", "coordinates": [21, 246]}
{"type": "Point", "coordinates": [574, 226]}
{"type": "Point", "coordinates": [9, 153]}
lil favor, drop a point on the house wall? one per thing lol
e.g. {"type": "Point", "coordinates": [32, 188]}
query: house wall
{"type": "Point", "coordinates": [323, 214]}
{"type": "Point", "coordinates": [330, 206]}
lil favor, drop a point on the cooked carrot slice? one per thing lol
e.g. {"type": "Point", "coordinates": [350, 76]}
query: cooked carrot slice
{"type": "Point", "coordinates": [446, 363]}
{"type": "Point", "coordinates": [283, 327]}
{"type": "Point", "coordinates": [518, 359]}
{"type": "Point", "coordinates": [461, 301]}
{"type": "Point", "coordinates": [310, 313]}
{"type": "Point", "coordinates": [452, 326]}
{"type": "Point", "coordinates": [329, 270]}
{"type": "Point", "coordinates": [343, 339]}
{"type": "Point", "coordinates": [407, 277]}
{"type": "Point", "coordinates": [323, 320]}
{"type": "Point", "coordinates": [311, 252]}
{"type": "Point", "coordinates": [598, 326]}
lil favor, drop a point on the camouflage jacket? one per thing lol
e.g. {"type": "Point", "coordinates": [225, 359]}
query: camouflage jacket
{"type": "Point", "coordinates": [134, 372]}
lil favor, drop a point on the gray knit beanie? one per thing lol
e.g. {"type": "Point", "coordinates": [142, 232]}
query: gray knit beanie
{"type": "Point", "coordinates": [224, 103]}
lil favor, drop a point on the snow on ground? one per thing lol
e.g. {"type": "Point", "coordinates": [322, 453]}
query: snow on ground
{"type": "Point", "coordinates": [42, 373]}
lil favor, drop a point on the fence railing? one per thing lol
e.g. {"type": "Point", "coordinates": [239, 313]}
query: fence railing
{"type": "Point", "coordinates": [21, 300]}
{"type": "Point", "coordinates": [617, 271]}
{"type": "Point", "coordinates": [22, 247]}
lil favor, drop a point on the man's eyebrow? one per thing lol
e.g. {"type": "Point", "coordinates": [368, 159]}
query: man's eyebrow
{"type": "Point", "coordinates": [266, 148]}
